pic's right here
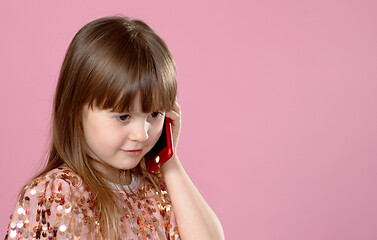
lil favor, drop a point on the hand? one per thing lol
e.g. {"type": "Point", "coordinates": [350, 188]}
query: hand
{"type": "Point", "coordinates": [175, 116]}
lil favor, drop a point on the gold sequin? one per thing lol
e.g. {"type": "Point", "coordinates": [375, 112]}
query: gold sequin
{"type": "Point", "coordinates": [33, 191]}
{"type": "Point", "coordinates": [62, 228]}
{"type": "Point", "coordinates": [13, 225]}
{"type": "Point", "coordinates": [20, 211]}
{"type": "Point", "coordinates": [68, 208]}
{"type": "Point", "coordinates": [20, 224]}
{"type": "Point", "coordinates": [59, 208]}
{"type": "Point", "coordinates": [13, 233]}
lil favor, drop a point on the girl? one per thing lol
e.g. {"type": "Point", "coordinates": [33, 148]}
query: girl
{"type": "Point", "coordinates": [116, 86]}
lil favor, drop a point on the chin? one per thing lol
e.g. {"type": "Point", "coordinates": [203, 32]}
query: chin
{"type": "Point", "coordinates": [128, 166]}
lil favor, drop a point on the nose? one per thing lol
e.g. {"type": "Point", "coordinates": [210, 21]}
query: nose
{"type": "Point", "coordinates": [139, 131]}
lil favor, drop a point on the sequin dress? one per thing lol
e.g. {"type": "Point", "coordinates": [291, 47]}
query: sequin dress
{"type": "Point", "coordinates": [58, 205]}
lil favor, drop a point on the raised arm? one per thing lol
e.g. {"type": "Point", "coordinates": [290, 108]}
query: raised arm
{"type": "Point", "coordinates": [195, 218]}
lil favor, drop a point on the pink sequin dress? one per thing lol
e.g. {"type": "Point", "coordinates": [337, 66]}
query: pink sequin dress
{"type": "Point", "coordinates": [59, 206]}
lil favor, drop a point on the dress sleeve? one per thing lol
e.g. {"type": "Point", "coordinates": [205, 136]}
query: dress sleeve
{"type": "Point", "coordinates": [51, 208]}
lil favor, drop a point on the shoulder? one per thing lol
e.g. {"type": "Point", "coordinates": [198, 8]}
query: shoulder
{"type": "Point", "coordinates": [54, 204]}
{"type": "Point", "coordinates": [54, 184]}
{"type": "Point", "coordinates": [56, 180]}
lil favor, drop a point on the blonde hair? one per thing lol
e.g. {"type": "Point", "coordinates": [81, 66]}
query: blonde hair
{"type": "Point", "coordinates": [108, 63]}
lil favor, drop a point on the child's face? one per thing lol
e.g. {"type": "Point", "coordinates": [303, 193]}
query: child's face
{"type": "Point", "coordinates": [110, 135]}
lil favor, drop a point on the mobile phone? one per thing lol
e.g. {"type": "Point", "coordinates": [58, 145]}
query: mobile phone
{"type": "Point", "coordinates": [162, 150]}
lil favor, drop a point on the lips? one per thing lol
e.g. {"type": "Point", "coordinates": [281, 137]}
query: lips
{"type": "Point", "coordinates": [136, 152]}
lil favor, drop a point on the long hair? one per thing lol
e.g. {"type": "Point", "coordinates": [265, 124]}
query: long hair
{"type": "Point", "coordinates": [108, 63]}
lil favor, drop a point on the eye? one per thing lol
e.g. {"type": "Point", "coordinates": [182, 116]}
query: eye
{"type": "Point", "coordinates": [123, 118]}
{"type": "Point", "coordinates": [155, 115]}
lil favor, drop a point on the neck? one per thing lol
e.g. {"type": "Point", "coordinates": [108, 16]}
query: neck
{"type": "Point", "coordinates": [112, 174]}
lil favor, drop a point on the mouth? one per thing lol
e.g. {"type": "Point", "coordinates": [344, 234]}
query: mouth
{"type": "Point", "coordinates": [136, 152]}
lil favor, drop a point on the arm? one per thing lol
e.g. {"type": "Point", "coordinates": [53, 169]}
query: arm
{"type": "Point", "coordinates": [195, 218]}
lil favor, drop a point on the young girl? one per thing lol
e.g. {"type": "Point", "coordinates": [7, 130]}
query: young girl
{"type": "Point", "coordinates": [116, 86]}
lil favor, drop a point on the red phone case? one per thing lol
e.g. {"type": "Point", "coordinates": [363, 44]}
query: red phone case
{"type": "Point", "coordinates": [163, 150]}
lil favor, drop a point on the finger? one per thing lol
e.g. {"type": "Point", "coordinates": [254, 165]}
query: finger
{"type": "Point", "coordinates": [176, 108]}
{"type": "Point", "coordinates": [173, 115]}
{"type": "Point", "coordinates": [176, 104]}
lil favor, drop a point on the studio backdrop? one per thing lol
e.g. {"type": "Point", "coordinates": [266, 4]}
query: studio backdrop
{"type": "Point", "coordinates": [279, 105]}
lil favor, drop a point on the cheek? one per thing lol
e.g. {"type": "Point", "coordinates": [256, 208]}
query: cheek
{"type": "Point", "coordinates": [155, 133]}
{"type": "Point", "coordinates": [101, 138]}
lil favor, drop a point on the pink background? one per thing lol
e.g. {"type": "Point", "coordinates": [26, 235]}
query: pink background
{"type": "Point", "coordinates": [279, 102]}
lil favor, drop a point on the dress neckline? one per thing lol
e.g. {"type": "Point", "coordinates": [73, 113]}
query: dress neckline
{"type": "Point", "coordinates": [132, 186]}
{"type": "Point", "coordinates": [116, 186]}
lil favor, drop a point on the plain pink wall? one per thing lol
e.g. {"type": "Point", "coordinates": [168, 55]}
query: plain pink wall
{"type": "Point", "coordinates": [279, 102]}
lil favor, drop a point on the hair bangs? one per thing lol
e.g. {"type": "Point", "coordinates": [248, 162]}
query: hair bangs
{"type": "Point", "coordinates": [141, 75]}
